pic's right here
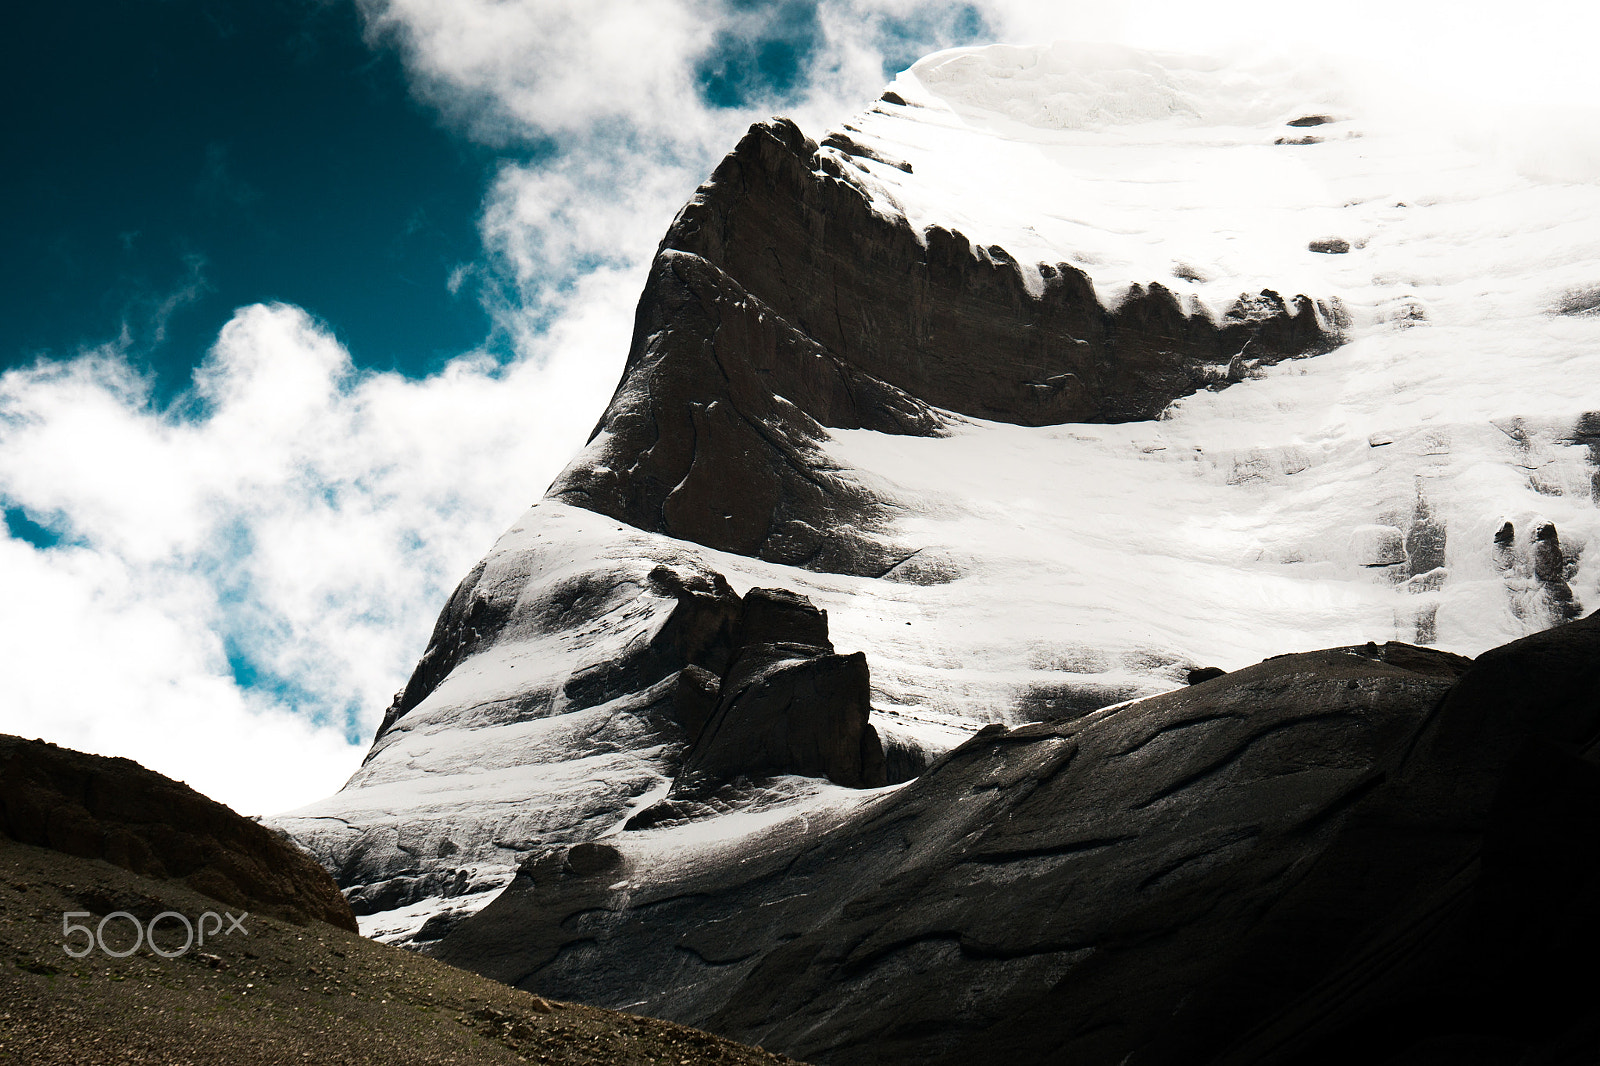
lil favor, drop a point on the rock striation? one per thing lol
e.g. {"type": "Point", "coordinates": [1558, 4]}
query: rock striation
{"type": "Point", "coordinates": [1370, 854]}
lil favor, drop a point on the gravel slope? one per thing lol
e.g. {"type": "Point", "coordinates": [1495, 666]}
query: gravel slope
{"type": "Point", "coordinates": [280, 994]}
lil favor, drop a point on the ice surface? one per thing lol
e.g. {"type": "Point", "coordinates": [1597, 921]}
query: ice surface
{"type": "Point", "coordinates": [1349, 497]}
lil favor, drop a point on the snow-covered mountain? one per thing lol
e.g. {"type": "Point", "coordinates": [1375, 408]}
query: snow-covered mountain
{"type": "Point", "coordinates": [1054, 375]}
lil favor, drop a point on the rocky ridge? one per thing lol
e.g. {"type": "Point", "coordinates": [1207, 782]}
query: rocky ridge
{"type": "Point", "coordinates": [116, 810]}
{"type": "Point", "coordinates": [782, 304]}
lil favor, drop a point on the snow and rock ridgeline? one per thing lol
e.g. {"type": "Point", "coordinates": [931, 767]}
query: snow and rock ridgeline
{"type": "Point", "coordinates": [986, 375]}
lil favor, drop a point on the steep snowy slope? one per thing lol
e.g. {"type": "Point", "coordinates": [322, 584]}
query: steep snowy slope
{"type": "Point", "coordinates": [989, 375]}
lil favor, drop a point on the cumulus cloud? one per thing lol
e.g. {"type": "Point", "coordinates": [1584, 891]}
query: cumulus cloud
{"type": "Point", "coordinates": [554, 66]}
{"type": "Point", "coordinates": [245, 578]}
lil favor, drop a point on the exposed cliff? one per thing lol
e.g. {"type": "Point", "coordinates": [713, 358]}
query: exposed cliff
{"type": "Point", "coordinates": [784, 303]}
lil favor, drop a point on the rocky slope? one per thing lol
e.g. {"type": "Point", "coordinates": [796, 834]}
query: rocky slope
{"type": "Point", "coordinates": [996, 378]}
{"type": "Point", "coordinates": [290, 981]}
{"type": "Point", "coordinates": [116, 810]}
{"type": "Point", "coordinates": [1370, 854]}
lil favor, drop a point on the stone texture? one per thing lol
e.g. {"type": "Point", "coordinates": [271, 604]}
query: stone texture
{"type": "Point", "coordinates": [1371, 854]}
{"type": "Point", "coordinates": [114, 809]}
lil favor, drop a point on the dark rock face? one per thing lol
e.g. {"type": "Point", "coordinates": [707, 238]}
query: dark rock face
{"type": "Point", "coordinates": [116, 810]}
{"type": "Point", "coordinates": [778, 616]}
{"type": "Point", "coordinates": [791, 710]}
{"type": "Point", "coordinates": [786, 705]}
{"type": "Point", "coordinates": [781, 304]}
{"type": "Point", "coordinates": [713, 434]}
{"type": "Point", "coordinates": [1379, 854]}
{"type": "Point", "coordinates": [798, 231]}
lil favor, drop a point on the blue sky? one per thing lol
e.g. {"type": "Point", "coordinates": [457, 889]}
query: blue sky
{"type": "Point", "coordinates": [186, 157]}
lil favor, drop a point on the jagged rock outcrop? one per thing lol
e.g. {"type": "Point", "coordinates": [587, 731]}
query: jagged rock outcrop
{"type": "Point", "coordinates": [785, 705]}
{"type": "Point", "coordinates": [1362, 854]}
{"type": "Point", "coordinates": [797, 230]}
{"type": "Point", "coordinates": [114, 809]}
{"type": "Point", "coordinates": [790, 708]}
{"type": "Point", "coordinates": [782, 304]}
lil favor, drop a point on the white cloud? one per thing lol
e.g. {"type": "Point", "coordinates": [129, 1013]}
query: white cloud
{"type": "Point", "coordinates": [551, 66]}
{"type": "Point", "coordinates": [308, 518]}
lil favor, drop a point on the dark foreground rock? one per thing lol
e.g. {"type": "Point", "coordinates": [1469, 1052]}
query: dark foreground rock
{"type": "Point", "coordinates": [116, 810]}
{"type": "Point", "coordinates": [1377, 854]}
{"type": "Point", "coordinates": [273, 994]}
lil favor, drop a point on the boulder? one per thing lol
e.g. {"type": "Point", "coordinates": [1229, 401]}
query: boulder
{"type": "Point", "coordinates": [786, 705]}
{"type": "Point", "coordinates": [790, 711]}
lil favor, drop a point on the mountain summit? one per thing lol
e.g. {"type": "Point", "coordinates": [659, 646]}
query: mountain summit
{"type": "Point", "coordinates": [1053, 378]}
